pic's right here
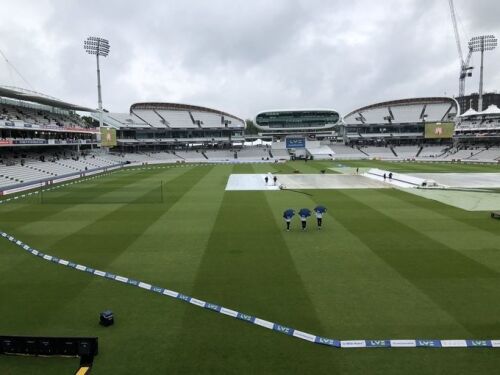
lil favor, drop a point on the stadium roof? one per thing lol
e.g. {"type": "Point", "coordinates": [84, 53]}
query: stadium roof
{"type": "Point", "coordinates": [179, 107]}
{"type": "Point", "coordinates": [299, 110]}
{"type": "Point", "coordinates": [36, 97]}
{"type": "Point", "coordinates": [425, 100]}
{"type": "Point", "coordinates": [469, 112]}
{"type": "Point", "coordinates": [491, 110]}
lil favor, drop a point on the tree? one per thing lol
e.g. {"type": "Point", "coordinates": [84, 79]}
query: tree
{"type": "Point", "coordinates": [90, 121]}
{"type": "Point", "coordinates": [251, 128]}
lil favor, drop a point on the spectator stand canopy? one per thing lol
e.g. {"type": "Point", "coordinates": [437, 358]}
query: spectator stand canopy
{"type": "Point", "coordinates": [36, 97]}
{"type": "Point", "coordinates": [404, 118]}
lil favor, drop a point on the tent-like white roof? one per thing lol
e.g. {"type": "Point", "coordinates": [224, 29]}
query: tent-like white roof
{"type": "Point", "coordinates": [469, 112]}
{"type": "Point", "coordinates": [491, 110]}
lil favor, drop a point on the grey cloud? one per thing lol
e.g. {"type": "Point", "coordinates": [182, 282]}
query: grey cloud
{"type": "Point", "coordinates": [243, 56]}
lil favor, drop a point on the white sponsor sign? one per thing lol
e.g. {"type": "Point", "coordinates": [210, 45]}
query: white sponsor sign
{"type": "Point", "coordinates": [304, 336]}
{"type": "Point", "coordinates": [229, 312]}
{"type": "Point", "coordinates": [495, 343]}
{"type": "Point", "coordinates": [197, 302]}
{"type": "Point", "coordinates": [403, 343]}
{"type": "Point", "coordinates": [144, 285]}
{"type": "Point", "coordinates": [170, 293]}
{"type": "Point", "coordinates": [353, 344]}
{"type": "Point", "coordinates": [453, 343]}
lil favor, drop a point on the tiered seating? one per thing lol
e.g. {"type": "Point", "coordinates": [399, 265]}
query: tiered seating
{"type": "Point", "coordinates": [124, 119]}
{"type": "Point", "coordinates": [53, 168]}
{"type": "Point", "coordinates": [379, 152]}
{"type": "Point", "coordinates": [281, 154]}
{"type": "Point", "coordinates": [320, 152]}
{"type": "Point", "coordinates": [191, 155]}
{"type": "Point", "coordinates": [346, 152]}
{"type": "Point", "coordinates": [38, 116]}
{"type": "Point", "coordinates": [492, 153]}
{"type": "Point", "coordinates": [177, 119]}
{"type": "Point", "coordinates": [208, 120]}
{"type": "Point", "coordinates": [253, 153]}
{"type": "Point", "coordinates": [436, 112]}
{"type": "Point", "coordinates": [17, 174]}
{"type": "Point", "coordinates": [151, 117]}
{"type": "Point", "coordinates": [407, 113]}
{"type": "Point", "coordinates": [406, 152]}
{"type": "Point", "coordinates": [459, 154]}
{"type": "Point", "coordinates": [432, 151]}
{"type": "Point", "coordinates": [220, 155]}
{"type": "Point", "coordinates": [374, 116]}
{"type": "Point", "coordinates": [164, 156]}
{"type": "Point", "coordinates": [278, 146]}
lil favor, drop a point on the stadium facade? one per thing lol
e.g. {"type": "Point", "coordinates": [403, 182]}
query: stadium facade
{"type": "Point", "coordinates": [401, 121]}
{"type": "Point", "coordinates": [472, 101]}
{"type": "Point", "coordinates": [158, 126]}
{"type": "Point", "coordinates": [479, 128]}
{"type": "Point", "coordinates": [29, 119]}
{"type": "Point", "coordinates": [317, 123]}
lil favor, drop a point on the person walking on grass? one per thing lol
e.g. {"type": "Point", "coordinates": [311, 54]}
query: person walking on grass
{"type": "Point", "coordinates": [304, 213]}
{"type": "Point", "coordinates": [319, 211]}
{"type": "Point", "coordinates": [303, 222]}
{"type": "Point", "coordinates": [287, 215]}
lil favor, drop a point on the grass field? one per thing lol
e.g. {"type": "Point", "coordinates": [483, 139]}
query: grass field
{"type": "Point", "coordinates": [386, 265]}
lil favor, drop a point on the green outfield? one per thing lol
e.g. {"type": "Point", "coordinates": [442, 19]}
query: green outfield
{"type": "Point", "coordinates": [387, 265]}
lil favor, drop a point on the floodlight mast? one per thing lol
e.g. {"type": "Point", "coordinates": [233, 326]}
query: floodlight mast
{"type": "Point", "coordinates": [480, 44]}
{"type": "Point", "coordinates": [98, 47]}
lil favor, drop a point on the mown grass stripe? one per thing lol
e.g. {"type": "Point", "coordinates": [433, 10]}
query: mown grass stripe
{"type": "Point", "coordinates": [420, 260]}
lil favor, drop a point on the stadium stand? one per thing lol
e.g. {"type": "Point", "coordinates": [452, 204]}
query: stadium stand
{"type": "Point", "coordinates": [118, 120]}
{"type": "Point", "coordinates": [347, 152]}
{"type": "Point", "coordinates": [318, 122]}
{"type": "Point", "coordinates": [208, 120]}
{"type": "Point", "coordinates": [280, 154]}
{"type": "Point", "coordinates": [403, 119]}
{"type": "Point", "coordinates": [150, 117]}
{"type": "Point", "coordinates": [319, 151]}
{"type": "Point", "coordinates": [406, 152]}
{"type": "Point", "coordinates": [178, 119]}
{"type": "Point", "coordinates": [379, 152]}
{"type": "Point", "coordinates": [432, 152]}
{"type": "Point", "coordinates": [191, 156]}
{"type": "Point", "coordinates": [38, 116]}
{"type": "Point", "coordinates": [219, 155]}
{"type": "Point", "coordinates": [252, 153]}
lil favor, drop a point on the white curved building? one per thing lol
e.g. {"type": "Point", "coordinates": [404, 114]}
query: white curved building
{"type": "Point", "coordinates": [399, 119]}
{"type": "Point", "coordinates": [297, 121]}
{"type": "Point", "coordinates": [165, 125]}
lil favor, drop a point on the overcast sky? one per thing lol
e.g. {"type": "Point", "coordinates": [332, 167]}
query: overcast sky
{"type": "Point", "coordinates": [245, 56]}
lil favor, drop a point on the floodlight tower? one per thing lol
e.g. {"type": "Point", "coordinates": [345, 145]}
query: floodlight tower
{"type": "Point", "coordinates": [98, 47]}
{"type": "Point", "coordinates": [480, 44]}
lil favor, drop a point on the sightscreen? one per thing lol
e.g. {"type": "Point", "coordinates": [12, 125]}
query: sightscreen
{"type": "Point", "coordinates": [108, 137]}
{"type": "Point", "coordinates": [439, 129]}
